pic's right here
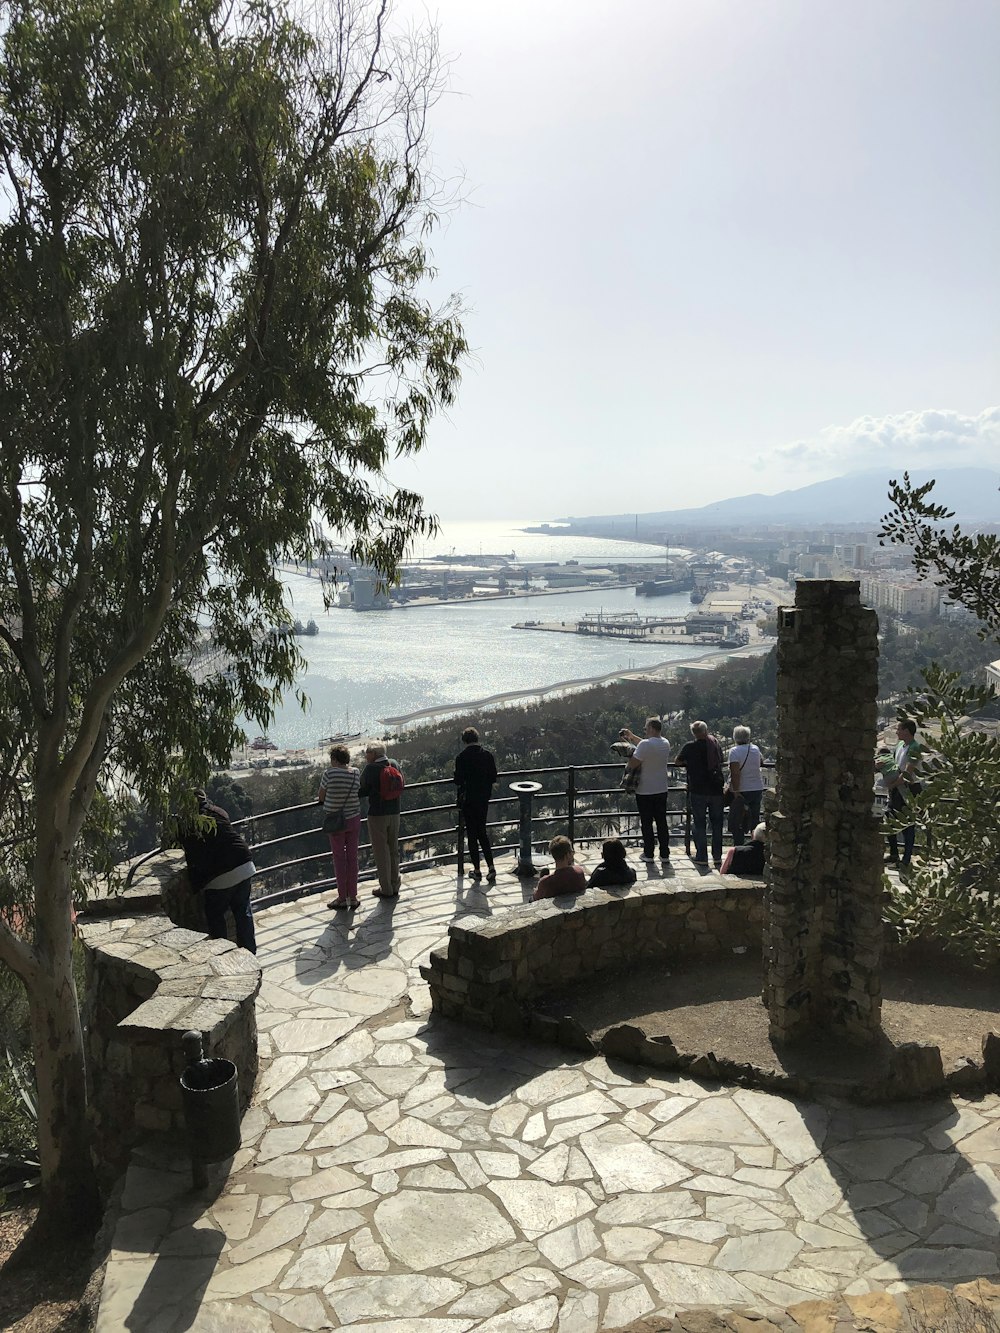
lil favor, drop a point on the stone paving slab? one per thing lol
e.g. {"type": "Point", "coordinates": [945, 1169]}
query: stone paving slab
{"type": "Point", "coordinates": [402, 1173]}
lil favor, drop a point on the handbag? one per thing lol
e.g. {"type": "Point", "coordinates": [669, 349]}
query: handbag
{"type": "Point", "coordinates": [630, 781]}
{"type": "Point", "coordinates": [715, 778]}
{"type": "Point", "coordinates": [335, 821]}
{"type": "Point", "coordinates": [737, 814]}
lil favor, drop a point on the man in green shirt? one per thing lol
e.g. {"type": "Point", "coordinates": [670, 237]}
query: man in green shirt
{"type": "Point", "coordinates": [906, 758]}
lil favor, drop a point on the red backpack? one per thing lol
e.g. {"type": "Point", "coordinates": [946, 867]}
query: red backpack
{"type": "Point", "coordinates": [390, 783]}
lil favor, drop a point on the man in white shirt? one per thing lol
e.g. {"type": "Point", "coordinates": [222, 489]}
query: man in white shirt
{"type": "Point", "coordinates": [651, 757]}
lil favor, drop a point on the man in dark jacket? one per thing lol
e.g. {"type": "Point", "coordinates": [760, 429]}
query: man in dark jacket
{"type": "Point", "coordinates": [383, 822]}
{"type": "Point", "coordinates": [702, 757]}
{"type": "Point", "coordinates": [475, 774]}
{"type": "Point", "coordinates": [220, 869]}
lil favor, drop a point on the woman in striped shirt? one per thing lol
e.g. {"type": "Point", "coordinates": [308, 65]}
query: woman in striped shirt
{"type": "Point", "coordinates": [339, 793]}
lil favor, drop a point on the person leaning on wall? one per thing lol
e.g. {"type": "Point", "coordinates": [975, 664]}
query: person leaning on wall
{"type": "Point", "coordinates": [220, 869]}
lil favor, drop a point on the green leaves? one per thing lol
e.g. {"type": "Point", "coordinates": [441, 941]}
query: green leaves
{"type": "Point", "coordinates": [211, 233]}
{"type": "Point", "coordinates": [953, 893]}
{"type": "Point", "coordinates": [967, 566]}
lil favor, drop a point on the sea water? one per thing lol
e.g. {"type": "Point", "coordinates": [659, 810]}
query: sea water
{"type": "Point", "coordinates": [366, 667]}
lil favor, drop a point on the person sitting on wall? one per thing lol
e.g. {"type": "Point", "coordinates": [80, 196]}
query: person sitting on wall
{"type": "Point", "coordinates": [220, 869]}
{"type": "Point", "coordinates": [566, 878]}
{"type": "Point", "coordinates": [747, 859]}
{"type": "Point", "coordinates": [613, 869]}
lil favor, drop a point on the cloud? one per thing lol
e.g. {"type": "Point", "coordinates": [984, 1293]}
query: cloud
{"type": "Point", "coordinates": [931, 437]}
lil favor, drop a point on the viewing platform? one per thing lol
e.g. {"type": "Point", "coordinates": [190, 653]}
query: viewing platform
{"type": "Point", "coordinates": [404, 1174]}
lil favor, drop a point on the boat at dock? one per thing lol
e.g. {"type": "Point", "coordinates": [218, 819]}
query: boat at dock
{"type": "Point", "coordinates": [662, 587]}
{"type": "Point", "coordinates": [344, 737]}
{"type": "Point", "coordinates": [339, 740]}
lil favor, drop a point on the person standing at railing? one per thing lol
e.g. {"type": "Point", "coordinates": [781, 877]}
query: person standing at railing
{"type": "Point", "coordinates": [220, 869]}
{"type": "Point", "coordinates": [746, 780]}
{"type": "Point", "coordinates": [651, 757]}
{"type": "Point", "coordinates": [339, 797]}
{"type": "Point", "coordinates": [383, 818]}
{"type": "Point", "coordinates": [702, 757]}
{"type": "Point", "coordinates": [475, 774]}
{"type": "Point", "coordinates": [907, 760]}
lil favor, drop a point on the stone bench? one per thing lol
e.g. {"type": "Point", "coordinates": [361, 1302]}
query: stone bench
{"type": "Point", "coordinates": [149, 981]}
{"type": "Point", "coordinates": [493, 967]}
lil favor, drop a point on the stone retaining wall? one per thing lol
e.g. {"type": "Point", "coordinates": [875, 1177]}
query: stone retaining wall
{"type": "Point", "coordinates": [493, 967]}
{"type": "Point", "coordinates": [148, 982]}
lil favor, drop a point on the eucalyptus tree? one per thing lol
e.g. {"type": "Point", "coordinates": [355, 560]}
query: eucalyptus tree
{"type": "Point", "coordinates": [215, 335]}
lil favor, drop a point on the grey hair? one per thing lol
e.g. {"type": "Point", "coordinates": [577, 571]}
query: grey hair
{"type": "Point", "coordinates": [699, 729]}
{"type": "Point", "coordinates": [741, 735]}
{"type": "Point", "coordinates": [760, 833]}
{"type": "Point", "coordinates": [377, 749]}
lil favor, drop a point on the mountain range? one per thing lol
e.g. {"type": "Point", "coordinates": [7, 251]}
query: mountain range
{"type": "Point", "coordinates": [859, 497]}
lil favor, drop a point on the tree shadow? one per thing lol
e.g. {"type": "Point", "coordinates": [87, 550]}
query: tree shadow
{"type": "Point", "coordinates": [487, 1068]}
{"type": "Point", "coordinates": [169, 1291]}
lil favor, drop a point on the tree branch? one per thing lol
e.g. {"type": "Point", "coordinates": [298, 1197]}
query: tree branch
{"type": "Point", "coordinates": [18, 955]}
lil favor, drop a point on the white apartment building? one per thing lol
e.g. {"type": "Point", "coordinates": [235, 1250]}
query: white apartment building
{"type": "Point", "coordinates": [904, 597]}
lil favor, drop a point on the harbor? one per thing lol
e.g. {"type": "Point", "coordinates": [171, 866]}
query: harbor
{"type": "Point", "coordinates": [381, 673]}
{"type": "Point", "coordinates": [715, 630]}
{"type": "Point", "coordinates": [724, 620]}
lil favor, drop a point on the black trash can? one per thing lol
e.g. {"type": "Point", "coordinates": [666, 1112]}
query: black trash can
{"type": "Point", "coordinates": [210, 1093]}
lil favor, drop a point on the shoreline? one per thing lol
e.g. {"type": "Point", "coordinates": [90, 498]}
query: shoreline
{"type": "Point", "coordinates": [665, 671]}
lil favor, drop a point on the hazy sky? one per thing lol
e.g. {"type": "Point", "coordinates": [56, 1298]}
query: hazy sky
{"type": "Point", "coordinates": [709, 248]}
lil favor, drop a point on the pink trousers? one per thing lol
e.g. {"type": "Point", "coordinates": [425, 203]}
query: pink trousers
{"type": "Point", "coordinates": [344, 848]}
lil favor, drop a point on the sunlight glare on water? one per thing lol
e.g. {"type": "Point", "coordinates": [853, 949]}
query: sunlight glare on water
{"type": "Point", "coordinates": [365, 667]}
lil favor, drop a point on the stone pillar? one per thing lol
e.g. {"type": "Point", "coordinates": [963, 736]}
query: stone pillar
{"type": "Point", "coordinates": [823, 918]}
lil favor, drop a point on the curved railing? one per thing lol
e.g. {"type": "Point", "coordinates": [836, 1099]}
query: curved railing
{"type": "Point", "coordinates": [584, 812]}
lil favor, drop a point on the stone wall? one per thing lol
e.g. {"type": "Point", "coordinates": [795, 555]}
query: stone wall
{"type": "Point", "coordinates": [183, 907]}
{"type": "Point", "coordinates": [492, 967]}
{"type": "Point", "coordinates": [823, 926]}
{"type": "Point", "coordinates": [148, 982]}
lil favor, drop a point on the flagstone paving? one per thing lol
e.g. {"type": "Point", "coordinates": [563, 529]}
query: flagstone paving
{"type": "Point", "coordinates": [405, 1175]}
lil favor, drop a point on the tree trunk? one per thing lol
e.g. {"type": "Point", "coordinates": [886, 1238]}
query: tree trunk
{"type": "Point", "coordinates": [69, 1199]}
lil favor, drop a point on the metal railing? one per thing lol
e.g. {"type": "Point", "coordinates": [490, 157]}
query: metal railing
{"type": "Point", "coordinates": [585, 813]}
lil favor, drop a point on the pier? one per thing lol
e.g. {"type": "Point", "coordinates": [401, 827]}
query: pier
{"type": "Point", "coordinates": [695, 628]}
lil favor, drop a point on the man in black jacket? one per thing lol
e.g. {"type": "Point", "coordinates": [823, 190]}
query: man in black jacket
{"type": "Point", "coordinates": [220, 869]}
{"type": "Point", "coordinates": [475, 774]}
